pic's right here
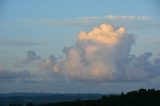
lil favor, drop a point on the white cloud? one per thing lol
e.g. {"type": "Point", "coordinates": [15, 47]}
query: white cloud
{"type": "Point", "coordinates": [49, 63]}
{"type": "Point", "coordinates": [128, 17]}
{"type": "Point", "coordinates": [85, 20]}
{"type": "Point", "coordinates": [103, 54]}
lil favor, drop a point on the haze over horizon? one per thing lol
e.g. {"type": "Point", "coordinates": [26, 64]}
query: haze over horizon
{"type": "Point", "coordinates": [105, 46]}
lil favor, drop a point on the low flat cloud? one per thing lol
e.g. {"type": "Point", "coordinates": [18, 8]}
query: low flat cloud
{"type": "Point", "coordinates": [104, 55]}
{"type": "Point", "coordinates": [7, 75]}
{"type": "Point", "coordinates": [85, 20]}
{"type": "Point", "coordinates": [11, 42]}
{"type": "Point", "coordinates": [116, 17]}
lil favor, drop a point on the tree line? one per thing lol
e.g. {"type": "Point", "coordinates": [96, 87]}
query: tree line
{"type": "Point", "coordinates": [141, 97]}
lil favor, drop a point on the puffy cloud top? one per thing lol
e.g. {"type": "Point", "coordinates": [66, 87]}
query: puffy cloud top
{"type": "Point", "coordinates": [103, 34]}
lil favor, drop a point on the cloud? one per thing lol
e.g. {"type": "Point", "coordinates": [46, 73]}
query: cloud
{"type": "Point", "coordinates": [85, 20]}
{"type": "Point", "coordinates": [103, 54]}
{"type": "Point", "coordinates": [47, 64]}
{"type": "Point", "coordinates": [8, 42]}
{"type": "Point", "coordinates": [10, 76]}
{"type": "Point", "coordinates": [144, 18]}
{"type": "Point", "coordinates": [31, 57]}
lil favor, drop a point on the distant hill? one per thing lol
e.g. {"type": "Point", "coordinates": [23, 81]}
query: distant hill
{"type": "Point", "coordinates": [142, 97]}
{"type": "Point", "coordinates": [41, 98]}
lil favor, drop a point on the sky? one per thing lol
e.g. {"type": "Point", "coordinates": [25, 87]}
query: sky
{"type": "Point", "coordinates": [79, 46]}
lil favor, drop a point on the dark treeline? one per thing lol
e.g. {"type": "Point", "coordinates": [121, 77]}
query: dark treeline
{"type": "Point", "coordinates": [42, 98]}
{"type": "Point", "coordinates": [142, 97]}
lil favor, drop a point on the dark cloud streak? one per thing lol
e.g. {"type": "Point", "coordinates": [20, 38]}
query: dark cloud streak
{"type": "Point", "coordinates": [9, 42]}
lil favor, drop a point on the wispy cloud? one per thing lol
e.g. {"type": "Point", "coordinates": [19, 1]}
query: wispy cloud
{"type": "Point", "coordinates": [11, 42]}
{"type": "Point", "coordinates": [118, 17]}
{"type": "Point", "coordinates": [144, 18]}
{"type": "Point", "coordinates": [85, 20]}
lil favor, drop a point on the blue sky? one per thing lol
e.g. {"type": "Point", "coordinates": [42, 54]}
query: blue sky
{"type": "Point", "coordinates": [13, 10]}
{"type": "Point", "coordinates": [47, 27]}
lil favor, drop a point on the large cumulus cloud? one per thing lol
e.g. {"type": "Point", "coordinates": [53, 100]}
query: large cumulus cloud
{"type": "Point", "coordinates": [103, 54]}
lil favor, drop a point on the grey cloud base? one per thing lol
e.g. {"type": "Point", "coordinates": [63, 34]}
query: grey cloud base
{"type": "Point", "coordinates": [11, 76]}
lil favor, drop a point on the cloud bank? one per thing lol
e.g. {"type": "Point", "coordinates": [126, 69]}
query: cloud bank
{"type": "Point", "coordinates": [103, 54]}
{"type": "Point", "coordinates": [7, 75]}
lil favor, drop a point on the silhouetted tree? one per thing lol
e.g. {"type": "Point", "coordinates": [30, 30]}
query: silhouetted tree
{"type": "Point", "coordinates": [30, 104]}
{"type": "Point", "coordinates": [142, 97]}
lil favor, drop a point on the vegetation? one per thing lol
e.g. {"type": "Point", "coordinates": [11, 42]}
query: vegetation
{"type": "Point", "coordinates": [142, 97]}
{"type": "Point", "coordinates": [21, 99]}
